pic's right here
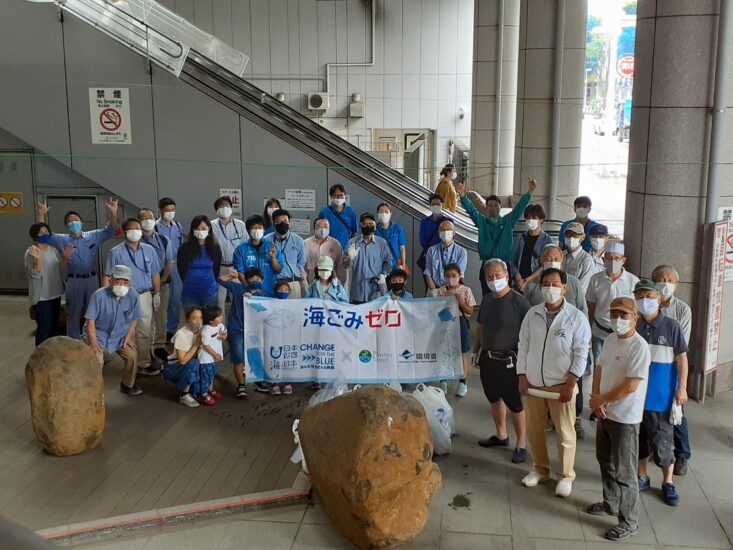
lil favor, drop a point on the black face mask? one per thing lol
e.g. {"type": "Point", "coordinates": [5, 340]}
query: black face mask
{"type": "Point", "coordinates": [282, 228]}
{"type": "Point", "coordinates": [367, 230]}
{"type": "Point", "coordinates": [398, 287]}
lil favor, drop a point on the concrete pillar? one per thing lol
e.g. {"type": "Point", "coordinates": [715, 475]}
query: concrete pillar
{"type": "Point", "coordinates": [484, 122]}
{"type": "Point", "coordinates": [674, 77]}
{"type": "Point", "coordinates": [535, 99]}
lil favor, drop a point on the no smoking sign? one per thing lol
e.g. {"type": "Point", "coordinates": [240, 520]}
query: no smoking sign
{"type": "Point", "coordinates": [110, 119]}
{"type": "Point", "coordinates": [109, 110]}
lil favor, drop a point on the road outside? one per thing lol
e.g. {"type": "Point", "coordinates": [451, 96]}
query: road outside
{"type": "Point", "coordinates": [603, 170]}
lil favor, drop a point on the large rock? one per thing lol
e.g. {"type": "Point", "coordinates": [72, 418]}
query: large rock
{"type": "Point", "coordinates": [67, 396]}
{"type": "Point", "coordinates": [369, 457]}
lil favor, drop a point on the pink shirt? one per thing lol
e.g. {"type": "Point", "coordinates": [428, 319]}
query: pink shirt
{"type": "Point", "coordinates": [465, 294]}
{"type": "Point", "coordinates": [331, 248]}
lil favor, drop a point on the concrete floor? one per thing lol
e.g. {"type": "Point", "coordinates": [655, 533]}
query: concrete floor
{"type": "Point", "coordinates": [502, 513]}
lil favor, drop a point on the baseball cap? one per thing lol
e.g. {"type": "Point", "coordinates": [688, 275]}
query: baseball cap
{"type": "Point", "coordinates": [598, 230]}
{"type": "Point", "coordinates": [646, 284]}
{"type": "Point", "coordinates": [122, 272]}
{"type": "Point", "coordinates": [625, 304]}
{"type": "Point", "coordinates": [575, 227]}
{"type": "Point", "coordinates": [325, 262]}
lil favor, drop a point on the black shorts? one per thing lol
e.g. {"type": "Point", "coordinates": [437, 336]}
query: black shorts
{"type": "Point", "coordinates": [656, 438]}
{"type": "Point", "coordinates": [500, 382]}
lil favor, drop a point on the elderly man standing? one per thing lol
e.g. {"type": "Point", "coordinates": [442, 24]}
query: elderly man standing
{"type": "Point", "coordinates": [229, 233]}
{"type": "Point", "coordinates": [440, 255]}
{"type": "Point", "coordinates": [322, 244]}
{"type": "Point", "coordinates": [667, 279]}
{"type": "Point", "coordinates": [497, 336]}
{"type": "Point", "coordinates": [553, 351]}
{"type": "Point", "coordinates": [619, 390]}
{"type": "Point", "coordinates": [577, 262]}
{"type": "Point", "coordinates": [111, 318]}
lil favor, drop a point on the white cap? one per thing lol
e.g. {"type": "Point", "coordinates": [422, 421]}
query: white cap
{"type": "Point", "coordinates": [122, 272]}
{"type": "Point", "coordinates": [615, 247]}
{"type": "Point", "coordinates": [325, 262]}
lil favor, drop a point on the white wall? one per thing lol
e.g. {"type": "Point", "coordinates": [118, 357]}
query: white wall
{"type": "Point", "coordinates": [422, 72]}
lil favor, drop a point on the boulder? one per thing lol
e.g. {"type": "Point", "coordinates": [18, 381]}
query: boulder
{"type": "Point", "coordinates": [67, 396]}
{"type": "Point", "coordinates": [369, 456]}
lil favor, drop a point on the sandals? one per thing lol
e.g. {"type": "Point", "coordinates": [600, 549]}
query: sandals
{"type": "Point", "coordinates": [206, 399]}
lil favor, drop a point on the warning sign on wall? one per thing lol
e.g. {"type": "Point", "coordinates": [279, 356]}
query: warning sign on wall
{"type": "Point", "coordinates": [109, 111]}
{"type": "Point", "coordinates": [11, 203]}
{"type": "Point", "coordinates": [236, 196]}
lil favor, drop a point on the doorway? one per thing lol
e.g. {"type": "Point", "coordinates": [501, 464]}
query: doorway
{"type": "Point", "coordinates": [17, 214]}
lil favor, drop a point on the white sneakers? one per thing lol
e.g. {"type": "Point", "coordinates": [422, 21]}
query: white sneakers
{"type": "Point", "coordinates": [533, 479]}
{"type": "Point", "coordinates": [461, 390]}
{"type": "Point", "coordinates": [187, 400]}
{"type": "Point", "coordinates": [563, 488]}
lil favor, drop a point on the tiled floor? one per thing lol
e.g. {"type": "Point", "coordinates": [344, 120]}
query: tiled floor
{"type": "Point", "coordinates": [502, 513]}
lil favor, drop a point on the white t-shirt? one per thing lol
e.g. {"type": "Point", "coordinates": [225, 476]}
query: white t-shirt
{"type": "Point", "coordinates": [623, 358]}
{"type": "Point", "coordinates": [210, 337]}
{"type": "Point", "coordinates": [601, 292]}
{"type": "Point", "coordinates": [183, 339]}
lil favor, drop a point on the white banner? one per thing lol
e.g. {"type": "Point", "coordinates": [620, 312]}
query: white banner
{"type": "Point", "coordinates": [311, 340]}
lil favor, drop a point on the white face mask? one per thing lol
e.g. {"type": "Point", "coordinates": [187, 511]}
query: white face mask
{"type": "Point", "coordinates": [436, 209]}
{"type": "Point", "coordinates": [201, 234]}
{"type": "Point", "coordinates": [621, 326]}
{"type": "Point", "coordinates": [573, 243]}
{"type": "Point", "coordinates": [613, 266]}
{"type": "Point", "coordinates": [552, 265]}
{"type": "Point", "coordinates": [446, 236]}
{"type": "Point", "coordinates": [598, 244]}
{"type": "Point", "coordinates": [384, 217]}
{"type": "Point", "coordinates": [224, 212]}
{"type": "Point", "coordinates": [647, 306]}
{"type": "Point", "coordinates": [147, 225]}
{"type": "Point", "coordinates": [120, 291]}
{"type": "Point", "coordinates": [322, 232]}
{"type": "Point", "coordinates": [338, 202]}
{"type": "Point", "coordinates": [271, 211]}
{"type": "Point", "coordinates": [533, 224]}
{"type": "Point", "coordinates": [324, 274]}
{"type": "Point", "coordinates": [667, 289]}
{"type": "Point", "coordinates": [257, 234]}
{"type": "Point", "coordinates": [454, 281]}
{"type": "Point", "coordinates": [551, 294]}
{"type": "Point", "coordinates": [168, 216]}
{"type": "Point", "coordinates": [134, 235]}
{"type": "Point", "coordinates": [582, 212]}
{"type": "Point", "coordinates": [497, 285]}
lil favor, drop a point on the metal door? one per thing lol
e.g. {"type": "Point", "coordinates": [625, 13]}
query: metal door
{"type": "Point", "coordinates": [17, 214]}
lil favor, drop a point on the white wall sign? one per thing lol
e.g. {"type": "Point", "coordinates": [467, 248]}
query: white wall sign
{"type": "Point", "coordinates": [725, 213]}
{"type": "Point", "coordinates": [109, 111]}
{"type": "Point", "coordinates": [300, 199]}
{"type": "Point", "coordinates": [715, 295]}
{"type": "Point", "coordinates": [236, 196]}
{"type": "Point", "coordinates": [301, 226]}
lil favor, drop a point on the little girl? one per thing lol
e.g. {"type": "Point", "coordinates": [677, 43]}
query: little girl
{"type": "Point", "coordinates": [466, 302]}
{"type": "Point", "coordinates": [327, 286]}
{"type": "Point", "coordinates": [213, 332]}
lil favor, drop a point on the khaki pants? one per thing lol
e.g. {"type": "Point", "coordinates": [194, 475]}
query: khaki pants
{"type": "Point", "coordinates": [160, 317]}
{"type": "Point", "coordinates": [144, 331]}
{"type": "Point", "coordinates": [124, 358]}
{"type": "Point", "coordinates": [563, 417]}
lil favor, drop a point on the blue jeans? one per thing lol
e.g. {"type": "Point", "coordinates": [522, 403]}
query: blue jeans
{"type": "Point", "coordinates": [682, 440]}
{"type": "Point", "coordinates": [47, 317]}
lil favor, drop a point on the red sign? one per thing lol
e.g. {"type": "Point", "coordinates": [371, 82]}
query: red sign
{"type": "Point", "coordinates": [110, 119]}
{"type": "Point", "coordinates": [625, 66]}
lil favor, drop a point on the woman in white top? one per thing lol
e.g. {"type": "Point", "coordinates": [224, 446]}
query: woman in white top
{"type": "Point", "coordinates": [44, 265]}
{"type": "Point", "coordinates": [184, 372]}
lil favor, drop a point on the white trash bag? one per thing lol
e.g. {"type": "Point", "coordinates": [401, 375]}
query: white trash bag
{"type": "Point", "coordinates": [298, 454]}
{"type": "Point", "coordinates": [338, 386]}
{"type": "Point", "coordinates": [440, 416]}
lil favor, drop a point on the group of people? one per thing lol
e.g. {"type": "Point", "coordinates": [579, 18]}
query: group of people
{"type": "Point", "coordinates": [551, 314]}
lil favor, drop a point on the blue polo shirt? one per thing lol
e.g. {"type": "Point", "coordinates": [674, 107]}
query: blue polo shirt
{"type": "Point", "coordinates": [395, 237]}
{"type": "Point", "coordinates": [429, 232]}
{"type": "Point", "coordinates": [292, 251]}
{"type": "Point", "coordinates": [248, 255]}
{"type": "Point", "coordinates": [439, 256]}
{"type": "Point", "coordinates": [143, 262]}
{"type": "Point", "coordinates": [341, 230]}
{"type": "Point", "coordinates": [172, 232]}
{"type": "Point", "coordinates": [112, 317]}
{"type": "Point", "coordinates": [666, 341]}
{"type": "Point", "coordinates": [86, 246]}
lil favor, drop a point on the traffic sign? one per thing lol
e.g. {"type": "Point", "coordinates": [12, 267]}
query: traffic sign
{"type": "Point", "coordinates": [625, 65]}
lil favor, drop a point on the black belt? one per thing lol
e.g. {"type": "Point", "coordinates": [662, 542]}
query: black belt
{"type": "Point", "coordinates": [501, 355]}
{"type": "Point", "coordinates": [292, 279]}
{"type": "Point", "coordinates": [227, 265]}
{"type": "Point", "coordinates": [144, 290]}
{"type": "Point", "coordinates": [82, 275]}
{"type": "Point", "coordinates": [604, 329]}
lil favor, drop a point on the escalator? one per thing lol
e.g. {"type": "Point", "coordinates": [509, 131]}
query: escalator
{"type": "Point", "coordinates": [215, 69]}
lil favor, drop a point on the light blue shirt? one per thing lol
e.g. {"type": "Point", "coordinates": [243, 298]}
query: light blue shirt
{"type": "Point", "coordinates": [292, 250]}
{"type": "Point", "coordinates": [143, 262]}
{"type": "Point", "coordinates": [373, 260]}
{"type": "Point", "coordinates": [439, 256]}
{"type": "Point", "coordinates": [173, 232]}
{"type": "Point", "coordinates": [112, 317]}
{"type": "Point", "coordinates": [162, 246]}
{"type": "Point", "coordinates": [229, 236]}
{"type": "Point", "coordinates": [335, 291]}
{"type": "Point", "coordinates": [248, 255]}
{"type": "Point", "coordinates": [86, 246]}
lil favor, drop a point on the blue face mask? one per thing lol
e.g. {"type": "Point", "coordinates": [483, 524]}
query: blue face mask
{"type": "Point", "coordinates": [282, 295]}
{"type": "Point", "coordinates": [255, 285]}
{"type": "Point", "coordinates": [74, 227]}
{"type": "Point", "coordinates": [44, 239]}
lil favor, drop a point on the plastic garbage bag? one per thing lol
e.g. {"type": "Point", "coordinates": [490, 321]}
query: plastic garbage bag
{"type": "Point", "coordinates": [440, 416]}
{"type": "Point", "coordinates": [338, 386]}
{"type": "Point", "coordinates": [298, 453]}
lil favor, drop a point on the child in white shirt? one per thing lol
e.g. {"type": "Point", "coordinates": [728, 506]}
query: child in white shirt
{"type": "Point", "coordinates": [213, 334]}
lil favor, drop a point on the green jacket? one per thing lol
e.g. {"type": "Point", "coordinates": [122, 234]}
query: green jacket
{"type": "Point", "coordinates": [495, 237]}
